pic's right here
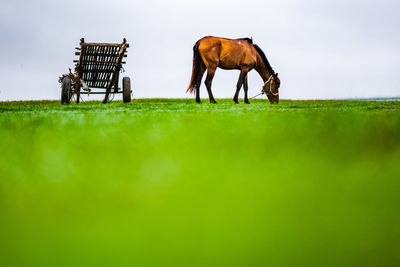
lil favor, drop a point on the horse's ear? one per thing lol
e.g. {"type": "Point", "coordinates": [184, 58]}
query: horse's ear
{"type": "Point", "coordinates": [276, 75]}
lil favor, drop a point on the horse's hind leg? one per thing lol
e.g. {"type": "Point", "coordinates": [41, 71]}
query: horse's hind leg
{"type": "Point", "coordinates": [198, 82]}
{"type": "Point", "coordinates": [239, 85]}
{"type": "Point", "coordinates": [208, 82]}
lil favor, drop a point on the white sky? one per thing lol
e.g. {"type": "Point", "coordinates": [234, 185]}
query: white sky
{"type": "Point", "coordinates": [321, 49]}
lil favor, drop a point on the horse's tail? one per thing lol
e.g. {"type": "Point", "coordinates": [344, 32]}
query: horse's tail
{"type": "Point", "coordinates": [197, 62]}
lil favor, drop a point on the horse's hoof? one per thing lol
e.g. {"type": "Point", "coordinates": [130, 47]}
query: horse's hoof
{"type": "Point", "coordinates": [246, 102]}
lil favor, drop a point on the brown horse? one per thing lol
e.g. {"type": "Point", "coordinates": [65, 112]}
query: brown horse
{"type": "Point", "coordinates": [240, 54]}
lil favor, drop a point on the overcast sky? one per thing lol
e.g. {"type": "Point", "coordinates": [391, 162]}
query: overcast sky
{"type": "Point", "coordinates": [321, 49]}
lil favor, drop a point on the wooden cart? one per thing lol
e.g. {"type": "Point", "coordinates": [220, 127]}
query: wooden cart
{"type": "Point", "coordinates": [98, 67]}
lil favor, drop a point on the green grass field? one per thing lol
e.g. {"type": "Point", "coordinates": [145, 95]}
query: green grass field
{"type": "Point", "coordinates": [172, 183]}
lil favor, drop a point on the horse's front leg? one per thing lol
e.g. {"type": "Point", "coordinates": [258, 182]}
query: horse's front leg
{"type": "Point", "coordinates": [246, 89]}
{"type": "Point", "coordinates": [243, 74]}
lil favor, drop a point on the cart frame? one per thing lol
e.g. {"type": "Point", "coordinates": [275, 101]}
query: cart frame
{"type": "Point", "coordinates": [98, 66]}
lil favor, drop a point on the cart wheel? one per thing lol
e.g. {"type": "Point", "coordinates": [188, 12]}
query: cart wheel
{"type": "Point", "coordinates": [66, 91]}
{"type": "Point", "coordinates": [126, 89]}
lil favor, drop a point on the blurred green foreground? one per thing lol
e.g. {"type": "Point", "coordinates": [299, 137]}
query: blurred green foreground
{"type": "Point", "coordinates": [172, 183]}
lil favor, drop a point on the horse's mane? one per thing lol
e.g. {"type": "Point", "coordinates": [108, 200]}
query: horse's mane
{"type": "Point", "coordinates": [264, 58]}
{"type": "Point", "coordinates": [249, 40]}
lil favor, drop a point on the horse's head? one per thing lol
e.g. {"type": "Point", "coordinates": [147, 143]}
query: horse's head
{"type": "Point", "coordinates": [271, 88]}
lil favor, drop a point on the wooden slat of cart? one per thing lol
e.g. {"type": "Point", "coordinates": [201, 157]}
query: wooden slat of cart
{"type": "Point", "coordinates": [98, 68]}
{"type": "Point", "coordinates": [89, 57]}
{"type": "Point", "coordinates": [104, 67]}
{"type": "Point", "coordinates": [109, 66]}
{"type": "Point", "coordinates": [85, 59]}
{"type": "Point", "coordinates": [102, 44]}
{"type": "Point", "coordinates": [100, 54]}
{"type": "Point", "coordinates": [105, 58]}
{"type": "Point", "coordinates": [90, 67]}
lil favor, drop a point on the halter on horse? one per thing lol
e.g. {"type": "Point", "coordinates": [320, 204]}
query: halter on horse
{"type": "Point", "coordinates": [270, 92]}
